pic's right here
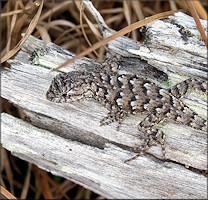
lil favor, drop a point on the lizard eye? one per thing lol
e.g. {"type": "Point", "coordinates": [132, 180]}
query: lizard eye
{"type": "Point", "coordinates": [64, 95]}
{"type": "Point", "coordinates": [154, 133]}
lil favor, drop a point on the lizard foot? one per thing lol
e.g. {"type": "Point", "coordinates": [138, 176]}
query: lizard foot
{"type": "Point", "coordinates": [156, 136]}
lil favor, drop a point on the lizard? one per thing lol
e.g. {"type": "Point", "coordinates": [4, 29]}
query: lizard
{"type": "Point", "coordinates": [125, 94]}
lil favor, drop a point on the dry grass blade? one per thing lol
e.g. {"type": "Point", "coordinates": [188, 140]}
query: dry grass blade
{"type": "Point", "coordinates": [11, 13]}
{"type": "Point", "coordinates": [20, 24]}
{"type": "Point", "coordinates": [13, 21]}
{"type": "Point", "coordinates": [60, 22]}
{"type": "Point", "coordinates": [58, 188]}
{"type": "Point", "coordinates": [24, 9]}
{"type": "Point", "coordinates": [29, 31]}
{"type": "Point", "coordinates": [127, 12]}
{"type": "Point", "coordinates": [7, 194]}
{"type": "Point", "coordinates": [137, 9]}
{"type": "Point", "coordinates": [65, 186]}
{"type": "Point", "coordinates": [117, 19]}
{"type": "Point", "coordinates": [56, 41]}
{"type": "Point", "coordinates": [200, 9]}
{"type": "Point", "coordinates": [197, 20]}
{"type": "Point", "coordinates": [8, 169]}
{"type": "Point", "coordinates": [43, 33]}
{"type": "Point", "coordinates": [118, 34]}
{"type": "Point", "coordinates": [173, 5]}
{"type": "Point", "coordinates": [56, 9]}
{"type": "Point", "coordinates": [93, 28]}
{"type": "Point", "coordinates": [41, 176]}
{"type": "Point", "coordinates": [111, 11]}
{"type": "Point", "coordinates": [27, 183]}
{"type": "Point", "coordinates": [79, 193]}
{"type": "Point", "coordinates": [81, 13]}
{"type": "Point", "coordinates": [88, 194]}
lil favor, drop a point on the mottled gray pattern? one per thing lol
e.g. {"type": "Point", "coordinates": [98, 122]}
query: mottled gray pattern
{"type": "Point", "coordinates": [129, 94]}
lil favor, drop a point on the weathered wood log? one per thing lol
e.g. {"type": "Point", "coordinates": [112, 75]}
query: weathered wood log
{"type": "Point", "coordinates": [100, 170]}
{"type": "Point", "coordinates": [67, 140]}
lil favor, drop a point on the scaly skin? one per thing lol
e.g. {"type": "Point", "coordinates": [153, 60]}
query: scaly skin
{"type": "Point", "coordinates": [129, 94]}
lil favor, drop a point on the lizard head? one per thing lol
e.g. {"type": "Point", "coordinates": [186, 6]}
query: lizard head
{"type": "Point", "coordinates": [69, 87]}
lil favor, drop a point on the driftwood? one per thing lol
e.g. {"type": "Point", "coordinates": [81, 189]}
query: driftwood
{"type": "Point", "coordinates": [66, 139]}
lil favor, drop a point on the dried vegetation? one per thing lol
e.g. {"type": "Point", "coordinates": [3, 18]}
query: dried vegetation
{"type": "Point", "coordinates": [68, 24]}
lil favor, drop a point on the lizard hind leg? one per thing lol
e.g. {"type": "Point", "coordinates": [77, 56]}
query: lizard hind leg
{"type": "Point", "coordinates": [157, 137]}
{"type": "Point", "coordinates": [151, 136]}
{"type": "Point", "coordinates": [154, 137]}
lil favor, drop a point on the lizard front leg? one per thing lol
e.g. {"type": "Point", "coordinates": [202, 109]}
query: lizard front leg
{"type": "Point", "coordinates": [114, 116]}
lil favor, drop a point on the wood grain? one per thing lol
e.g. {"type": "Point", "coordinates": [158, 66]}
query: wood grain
{"type": "Point", "coordinates": [66, 139]}
{"type": "Point", "coordinates": [100, 170]}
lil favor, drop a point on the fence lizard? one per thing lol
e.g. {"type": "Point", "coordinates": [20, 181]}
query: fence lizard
{"type": "Point", "coordinates": [124, 94]}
